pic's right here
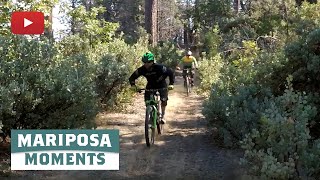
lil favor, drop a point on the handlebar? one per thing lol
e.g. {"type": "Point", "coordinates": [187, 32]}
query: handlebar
{"type": "Point", "coordinates": [150, 90]}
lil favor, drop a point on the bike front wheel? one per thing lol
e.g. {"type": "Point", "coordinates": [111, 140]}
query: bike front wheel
{"type": "Point", "coordinates": [188, 85]}
{"type": "Point", "coordinates": [149, 128]}
{"type": "Point", "coordinates": [159, 124]}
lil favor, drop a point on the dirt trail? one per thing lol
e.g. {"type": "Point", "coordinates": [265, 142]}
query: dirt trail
{"type": "Point", "coordinates": [184, 151]}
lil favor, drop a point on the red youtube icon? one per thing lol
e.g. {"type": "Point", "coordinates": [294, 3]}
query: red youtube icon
{"type": "Point", "coordinates": [27, 23]}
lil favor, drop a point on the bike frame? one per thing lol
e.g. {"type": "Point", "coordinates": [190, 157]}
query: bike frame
{"type": "Point", "coordinates": [187, 79]}
{"type": "Point", "coordinates": [154, 103]}
{"type": "Point", "coordinates": [153, 107]}
{"type": "Point", "coordinates": [188, 72]}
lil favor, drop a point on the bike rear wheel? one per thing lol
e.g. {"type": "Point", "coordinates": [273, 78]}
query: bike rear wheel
{"type": "Point", "coordinates": [188, 85]}
{"type": "Point", "coordinates": [149, 129]}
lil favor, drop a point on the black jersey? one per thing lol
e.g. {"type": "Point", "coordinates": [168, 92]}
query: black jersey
{"type": "Point", "coordinates": [156, 76]}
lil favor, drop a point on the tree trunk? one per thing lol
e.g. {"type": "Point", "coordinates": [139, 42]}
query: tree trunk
{"type": "Point", "coordinates": [187, 28]}
{"type": "Point", "coordinates": [299, 2]}
{"type": "Point", "coordinates": [73, 24]}
{"type": "Point", "coordinates": [48, 31]}
{"type": "Point", "coordinates": [88, 4]}
{"type": "Point", "coordinates": [186, 36]}
{"type": "Point", "coordinates": [151, 9]}
{"type": "Point", "coordinates": [243, 6]}
{"type": "Point", "coordinates": [236, 5]}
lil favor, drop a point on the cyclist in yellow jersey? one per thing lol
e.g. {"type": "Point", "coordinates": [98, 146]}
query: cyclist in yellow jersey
{"type": "Point", "coordinates": [188, 61]}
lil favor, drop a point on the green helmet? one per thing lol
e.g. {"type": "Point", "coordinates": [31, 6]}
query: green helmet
{"type": "Point", "coordinates": [147, 57]}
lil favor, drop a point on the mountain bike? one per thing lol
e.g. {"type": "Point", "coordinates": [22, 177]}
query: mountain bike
{"type": "Point", "coordinates": [188, 80]}
{"type": "Point", "coordinates": [152, 118]}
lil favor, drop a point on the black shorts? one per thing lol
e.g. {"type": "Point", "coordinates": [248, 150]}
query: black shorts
{"type": "Point", "coordinates": [163, 95]}
{"type": "Point", "coordinates": [189, 69]}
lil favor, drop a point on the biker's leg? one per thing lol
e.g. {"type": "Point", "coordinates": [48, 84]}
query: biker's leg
{"type": "Point", "coordinates": [164, 100]}
{"type": "Point", "coordinates": [147, 96]}
{"type": "Point", "coordinates": [184, 72]}
{"type": "Point", "coordinates": [190, 72]}
{"type": "Point", "coordinates": [192, 76]}
{"type": "Point", "coordinates": [163, 109]}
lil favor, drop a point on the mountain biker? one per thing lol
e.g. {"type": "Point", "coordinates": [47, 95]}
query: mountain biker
{"type": "Point", "coordinates": [188, 61]}
{"type": "Point", "coordinates": [156, 75]}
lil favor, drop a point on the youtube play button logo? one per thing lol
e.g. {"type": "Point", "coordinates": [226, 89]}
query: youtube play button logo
{"type": "Point", "coordinates": [27, 23]}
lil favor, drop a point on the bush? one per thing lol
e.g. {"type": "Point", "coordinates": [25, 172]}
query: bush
{"type": "Point", "coordinates": [209, 73]}
{"type": "Point", "coordinates": [302, 61]}
{"type": "Point", "coordinates": [62, 85]}
{"type": "Point", "coordinates": [305, 19]}
{"type": "Point", "coordinates": [115, 63]}
{"type": "Point", "coordinates": [236, 99]}
{"type": "Point", "coordinates": [235, 115]}
{"type": "Point", "coordinates": [42, 89]}
{"type": "Point", "coordinates": [311, 158]}
{"type": "Point", "coordinates": [278, 125]}
{"type": "Point", "coordinates": [167, 54]}
{"type": "Point", "coordinates": [281, 145]}
{"type": "Point", "coordinates": [212, 41]}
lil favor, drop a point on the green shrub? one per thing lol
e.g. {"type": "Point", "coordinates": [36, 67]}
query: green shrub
{"type": "Point", "coordinates": [235, 115]}
{"type": "Point", "coordinates": [249, 101]}
{"type": "Point", "coordinates": [73, 45]}
{"type": "Point", "coordinates": [40, 89]}
{"type": "Point", "coordinates": [115, 62]}
{"type": "Point", "coordinates": [240, 89]}
{"type": "Point", "coordinates": [62, 85]}
{"type": "Point", "coordinates": [302, 61]}
{"type": "Point", "coordinates": [280, 146]}
{"type": "Point", "coordinates": [306, 20]}
{"type": "Point", "coordinates": [311, 160]}
{"type": "Point", "coordinates": [167, 54]}
{"type": "Point", "coordinates": [212, 41]}
{"type": "Point", "coordinates": [209, 73]}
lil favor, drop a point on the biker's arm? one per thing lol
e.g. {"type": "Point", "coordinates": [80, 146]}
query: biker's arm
{"type": "Point", "coordinates": [135, 75]}
{"type": "Point", "coordinates": [180, 62]}
{"type": "Point", "coordinates": [170, 73]}
{"type": "Point", "coordinates": [195, 62]}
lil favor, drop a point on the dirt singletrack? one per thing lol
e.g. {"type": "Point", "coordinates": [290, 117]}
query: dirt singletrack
{"type": "Point", "coordinates": [184, 151]}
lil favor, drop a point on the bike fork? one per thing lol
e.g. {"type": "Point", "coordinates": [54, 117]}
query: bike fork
{"type": "Point", "coordinates": [154, 113]}
{"type": "Point", "coordinates": [155, 117]}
